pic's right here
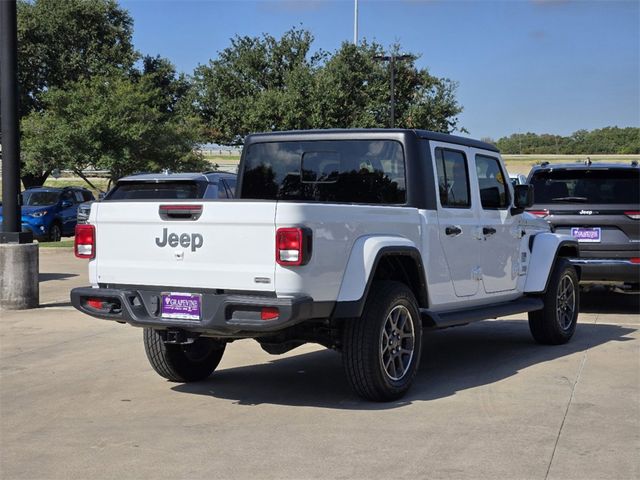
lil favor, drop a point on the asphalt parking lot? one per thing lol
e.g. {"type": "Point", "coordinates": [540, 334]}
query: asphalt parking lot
{"type": "Point", "coordinates": [79, 400]}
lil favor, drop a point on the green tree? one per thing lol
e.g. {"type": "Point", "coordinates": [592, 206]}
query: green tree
{"type": "Point", "coordinates": [264, 84]}
{"type": "Point", "coordinates": [113, 123]}
{"type": "Point", "coordinates": [256, 84]}
{"type": "Point", "coordinates": [61, 42]}
{"type": "Point", "coordinates": [608, 140]}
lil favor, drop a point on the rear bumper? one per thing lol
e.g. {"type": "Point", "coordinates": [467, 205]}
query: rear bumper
{"type": "Point", "coordinates": [223, 315]}
{"type": "Point", "coordinates": [607, 270]}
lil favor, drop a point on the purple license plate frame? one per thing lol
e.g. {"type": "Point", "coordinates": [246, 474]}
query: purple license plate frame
{"type": "Point", "coordinates": [184, 306]}
{"type": "Point", "coordinates": [587, 234]}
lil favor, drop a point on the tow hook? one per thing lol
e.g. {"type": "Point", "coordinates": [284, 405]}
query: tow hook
{"type": "Point", "coordinates": [178, 337]}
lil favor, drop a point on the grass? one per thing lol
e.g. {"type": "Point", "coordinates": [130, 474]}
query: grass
{"type": "Point", "coordinates": [61, 244]}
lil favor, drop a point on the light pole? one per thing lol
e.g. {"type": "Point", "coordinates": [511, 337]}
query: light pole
{"type": "Point", "coordinates": [392, 66]}
{"type": "Point", "coordinates": [18, 254]}
{"type": "Point", "coordinates": [355, 22]}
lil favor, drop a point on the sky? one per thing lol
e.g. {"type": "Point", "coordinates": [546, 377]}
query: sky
{"type": "Point", "coordinates": [543, 66]}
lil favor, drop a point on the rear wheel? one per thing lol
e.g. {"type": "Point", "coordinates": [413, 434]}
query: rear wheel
{"type": "Point", "coordinates": [556, 322]}
{"type": "Point", "coordinates": [182, 363]}
{"type": "Point", "coordinates": [381, 349]}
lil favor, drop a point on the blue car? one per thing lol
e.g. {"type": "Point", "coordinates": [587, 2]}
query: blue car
{"type": "Point", "coordinates": [50, 213]}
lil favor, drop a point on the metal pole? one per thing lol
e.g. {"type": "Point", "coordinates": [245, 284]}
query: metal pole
{"type": "Point", "coordinates": [355, 23]}
{"type": "Point", "coordinates": [11, 220]}
{"type": "Point", "coordinates": [392, 113]}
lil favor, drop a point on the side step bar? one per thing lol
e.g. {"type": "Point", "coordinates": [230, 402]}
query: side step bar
{"type": "Point", "coordinates": [462, 317]}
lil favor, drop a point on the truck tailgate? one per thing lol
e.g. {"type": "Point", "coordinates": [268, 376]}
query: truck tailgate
{"type": "Point", "coordinates": [230, 245]}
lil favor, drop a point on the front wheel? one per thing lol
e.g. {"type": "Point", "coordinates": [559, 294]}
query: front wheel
{"type": "Point", "coordinates": [381, 349]}
{"type": "Point", "coordinates": [182, 363]}
{"type": "Point", "coordinates": [55, 233]}
{"type": "Point", "coordinates": [556, 323]}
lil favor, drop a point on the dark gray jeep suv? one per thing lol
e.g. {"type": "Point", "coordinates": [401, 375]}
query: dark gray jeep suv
{"type": "Point", "coordinates": [599, 205]}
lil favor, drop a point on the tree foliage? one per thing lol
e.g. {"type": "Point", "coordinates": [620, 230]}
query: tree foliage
{"type": "Point", "coordinates": [64, 41]}
{"type": "Point", "coordinates": [609, 140]}
{"type": "Point", "coordinates": [264, 84]}
{"type": "Point", "coordinates": [123, 124]}
{"type": "Point", "coordinates": [85, 104]}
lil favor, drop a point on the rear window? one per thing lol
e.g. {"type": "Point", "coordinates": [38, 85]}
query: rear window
{"type": "Point", "coordinates": [349, 171]}
{"type": "Point", "coordinates": [615, 186]}
{"type": "Point", "coordinates": [157, 191]}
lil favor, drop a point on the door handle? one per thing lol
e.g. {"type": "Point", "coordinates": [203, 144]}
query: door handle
{"type": "Point", "coordinates": [488, 231]}
{"type": "Point", "coordinates": [453, 230]}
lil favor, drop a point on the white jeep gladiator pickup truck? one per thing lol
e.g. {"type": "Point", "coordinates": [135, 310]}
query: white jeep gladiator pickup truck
{"type": "Point", "coordinates": [353, 239]}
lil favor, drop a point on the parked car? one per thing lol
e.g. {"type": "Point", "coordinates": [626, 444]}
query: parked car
{"type": "Point", "coordinates": [50, 213]}
{"type": "Point", "coordinates": [353, 239]}
{"type": "Point", "coordinates": [599, 205]}
{"type": "Point", "coordinates": [157, 186]}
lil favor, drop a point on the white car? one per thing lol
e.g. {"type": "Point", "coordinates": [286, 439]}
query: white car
{"type": "Point", "coordinates": [353, 239]}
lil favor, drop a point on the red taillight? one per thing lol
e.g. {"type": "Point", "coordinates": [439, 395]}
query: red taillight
{"type": "Point", "coordinates": [95, 303]}
{"type": "Point", "coordinates": [293, 246]}
{"type": "Point", "coordinates": [85, 241]}
{"type": "Point", "coordinates": [269, 313]}
{"type": "Point", "coordinates": [635, 260]}
{"type": "Point", "coordinates": [539, 213]}
{"type": "Point", "coordinates": [633, 214]}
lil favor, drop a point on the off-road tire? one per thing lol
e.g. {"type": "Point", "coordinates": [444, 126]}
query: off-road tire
{"type": "Point", "coordinates": [182, 363]}
{"type": "Point", "coordinates": [556, 323]}
{"type": "Point", "coordinates": [55, 233]}
{"type": "Point", "coordinates": [365, 360]}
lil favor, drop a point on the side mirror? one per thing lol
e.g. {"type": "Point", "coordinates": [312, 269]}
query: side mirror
{"type": "Point", "coordinates": [522, 198]}
{"type": "Point", "coordinates": [66, 204]}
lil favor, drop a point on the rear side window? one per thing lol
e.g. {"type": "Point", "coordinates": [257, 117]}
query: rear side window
{"type": "Point", "coordinates": [157, 191]}
{"type": "Point", "coordinates": [453, 178]}
{"type": "Point", "coordinates": [492, 183]}
{"type": "Point", "coordinates": [348, 171]}
{"type": "Point", "coordinates": [614, 186]}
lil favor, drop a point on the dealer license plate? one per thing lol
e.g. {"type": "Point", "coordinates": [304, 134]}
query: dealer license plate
{"type": "Point", "coordinates": [586, 235]}
{"type": "Point", "coordinates": [186, 306]}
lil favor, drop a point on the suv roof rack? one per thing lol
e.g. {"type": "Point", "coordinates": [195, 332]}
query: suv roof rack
{"type": "Point", "coordinates": [544, 164]}
{"type": "Point", "coordinates": [634, 163]}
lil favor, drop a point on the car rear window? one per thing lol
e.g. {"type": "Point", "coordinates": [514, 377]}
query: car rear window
{"type": "Point", "coordinates": [349, 171]}
{"type": "Point", "coordinates": [612, 186]}
{"type": "Point", "coordinates": [157, 191]}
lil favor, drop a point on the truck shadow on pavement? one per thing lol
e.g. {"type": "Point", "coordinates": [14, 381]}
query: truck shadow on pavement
{"type": "Point", "coordinates": [453, 360]}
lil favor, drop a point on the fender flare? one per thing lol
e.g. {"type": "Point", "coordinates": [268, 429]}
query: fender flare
{"type": "Point", "coordinates": [366, 254]}
{"type": "Point", "coordinates": [542, 262]}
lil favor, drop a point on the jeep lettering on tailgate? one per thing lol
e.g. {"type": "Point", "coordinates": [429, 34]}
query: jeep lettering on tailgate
{"type": "Point", "coordinates": [185, 240]}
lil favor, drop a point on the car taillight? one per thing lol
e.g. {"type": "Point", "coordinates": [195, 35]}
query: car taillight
{"type": "Point", "coordinates": [85, 241]}
{"type": "Point", "coordinates": [293, 246]}
{"type": "Point", "coordinates": [539, 213]}
{"type": "Point", "coordinates": [635, 260]}
{"type": "Point", "coordinates": [633, 214]}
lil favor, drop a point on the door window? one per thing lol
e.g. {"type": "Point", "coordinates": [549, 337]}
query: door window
{"type": "Point", "coordinates": [453, 178]}
{"type": "Point", "coordinates": [491, 180]}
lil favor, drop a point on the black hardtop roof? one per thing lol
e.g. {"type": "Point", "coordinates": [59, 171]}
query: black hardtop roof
{"type": "Point", "coordinates": [585, 166]}
{"type": "Point", "coordinates": [302, 135]}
